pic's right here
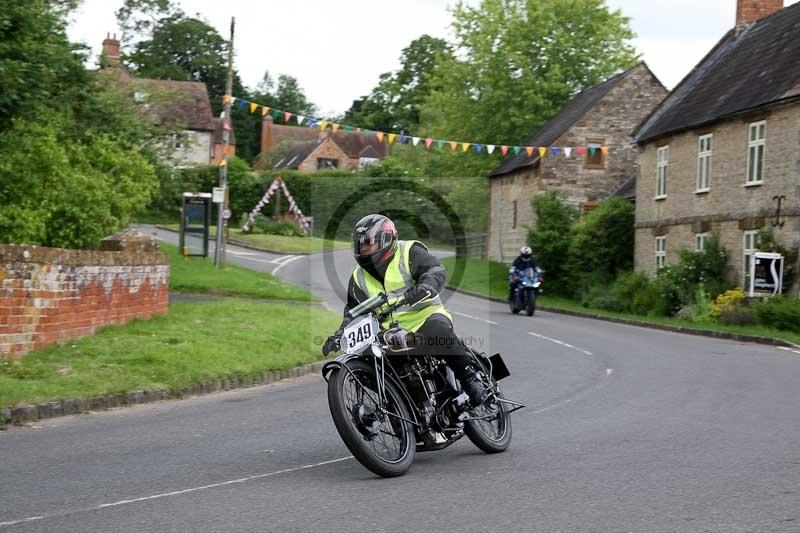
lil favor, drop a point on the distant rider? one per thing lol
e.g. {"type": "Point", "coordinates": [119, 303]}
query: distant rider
{"type": "Point", "coordinates": [523, 261]}
{"type": "Point", "coordinates": [389, 265]}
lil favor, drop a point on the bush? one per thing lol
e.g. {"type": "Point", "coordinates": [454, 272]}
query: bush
{"type": "Point", "coordinates": [262, 224]}
{"type": "Point", "coordinates": [781, 313]}
{"type": "Point", "coordinates": [728, 301]}
{"type": "Point", "coordinates": [602, 243]}
{"type": "Point", "coordinates": [551, 237]}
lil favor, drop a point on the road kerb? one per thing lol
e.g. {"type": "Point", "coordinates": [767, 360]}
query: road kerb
{"type": "Point", "coordinates": [31, 413]}
{"type": "Point", "coordinates": [641, 323]}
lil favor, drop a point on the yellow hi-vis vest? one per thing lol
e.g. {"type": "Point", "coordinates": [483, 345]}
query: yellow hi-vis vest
{"type": "Point", "coordinates": [397, 278]}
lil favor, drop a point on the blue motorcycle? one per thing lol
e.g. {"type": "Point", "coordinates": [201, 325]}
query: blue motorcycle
{"type": "Point", "coordinates": [527, 284]}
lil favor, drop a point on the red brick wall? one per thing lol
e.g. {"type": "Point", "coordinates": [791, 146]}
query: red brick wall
{"type": "Point", "coordinates": [749, 11]}
{"type": "Point", "coordinates": [52, 295]}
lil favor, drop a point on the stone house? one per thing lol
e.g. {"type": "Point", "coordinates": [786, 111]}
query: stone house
{"type": "Point", "coordinates": [324, 153]}
{"type": "Point", "coordinates": [602, 117]}
{"type": "Point", "coordinates": [183, 105]}
{"type": "Point", "coordinates": [721, 155]}
{"type": "Point", "coordinates": [359, 150]}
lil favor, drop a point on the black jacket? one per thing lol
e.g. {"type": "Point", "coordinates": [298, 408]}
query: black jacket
{"type": "Point", "coordinates": [521, 264]}
{"type": "Point", "coordinates": [425, 268]}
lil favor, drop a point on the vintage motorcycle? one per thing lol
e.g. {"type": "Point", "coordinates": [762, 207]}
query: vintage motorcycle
{"type": "Point", "coordinates": [528, 283]}
{"type": "Point", "coordinates": [387, 405]}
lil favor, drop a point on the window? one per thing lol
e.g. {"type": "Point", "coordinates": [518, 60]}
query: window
{"type": "Point", "coordinates": [750, 246]}
{"type": "Point", "coordinates": [662, 167]}
{"type": "Point", "coordinates": [700, 241]}
{"type": "Point", "coordinates": [756, 143]}
{"type": "Point", "coordinates": [325, 162]}
{"type": "Point", "coordinates": [661, 252]}
{"type": "Point", "coordinates": [704, 148]}
{"type": "Point", "coordinates": [514, 220]}
{"type": "Point", "coordinates": [595, 159]}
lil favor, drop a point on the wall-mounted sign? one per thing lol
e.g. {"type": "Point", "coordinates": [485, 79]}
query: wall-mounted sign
{"type": "Point", "coordinates": [218, 195]}
{"type": "Point", "coordinates": [766, 274]}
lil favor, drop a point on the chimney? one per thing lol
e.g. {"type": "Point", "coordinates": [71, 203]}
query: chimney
{"type": "Point", "coordinates": [266, 133]}
{"type": "Point", "coordinates": [749, 11]}
{"type": "Point", "coordinates": [110, 55]}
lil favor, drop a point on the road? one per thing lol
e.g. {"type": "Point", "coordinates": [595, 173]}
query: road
{"type": "Point", "coordinates": [627, 429]}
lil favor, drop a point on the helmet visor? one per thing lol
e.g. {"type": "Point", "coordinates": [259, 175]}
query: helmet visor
{"type": "Point", "coordinates": [369, 242]}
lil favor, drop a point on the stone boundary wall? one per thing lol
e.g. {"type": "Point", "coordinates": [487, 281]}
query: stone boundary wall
{"type": "Point", "coordinates": [50, 295]}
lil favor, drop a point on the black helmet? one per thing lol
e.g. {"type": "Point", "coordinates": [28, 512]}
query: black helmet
{"type": "Point", "coordinates": [374, 241]}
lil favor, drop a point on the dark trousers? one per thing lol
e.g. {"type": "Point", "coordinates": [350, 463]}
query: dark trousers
{"type": "Point", "coordinates": [436, 337]}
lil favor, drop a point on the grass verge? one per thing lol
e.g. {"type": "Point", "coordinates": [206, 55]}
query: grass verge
{"type": "Point", "coordinates": [196, 342]}
{"type": "Point", "coordinates": [199, 275]}
{"type": "Point", "coordinates": [275, 243]}
{"type": "Point", "coordinates": [489, 278]}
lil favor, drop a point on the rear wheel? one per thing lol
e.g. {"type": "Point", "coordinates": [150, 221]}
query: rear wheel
{"type": "Point", "coordinates": [530, 307]}
{"type": "Point", "coordinates": [383, 443]}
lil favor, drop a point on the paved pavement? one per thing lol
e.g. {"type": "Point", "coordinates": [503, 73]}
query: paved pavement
{"type": "Point", "coordinates": [627, 429]}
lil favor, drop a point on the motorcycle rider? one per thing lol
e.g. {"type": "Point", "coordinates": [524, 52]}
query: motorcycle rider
{"type": "Point", "coordinates": [386, 264]}
{"type": "Point", "coordinates": [523, 261]}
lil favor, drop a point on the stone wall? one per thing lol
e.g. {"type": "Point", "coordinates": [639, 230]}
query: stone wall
{"type": "Point", "coordinates": [611, 122]}
{"type": "Point", "coordinates": [52, 295]}
{"type": "Point", "coordinates": [327, 149]}
{"type": "Point", "coordinates": [729, 207]}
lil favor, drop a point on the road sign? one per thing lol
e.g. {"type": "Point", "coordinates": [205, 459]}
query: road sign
{"type": "Point", "coordinates": [766, 274]}
{"type": "Point", "coordinates": [218, 195]}
{"type": "Point", "coordinates": [226, 214]}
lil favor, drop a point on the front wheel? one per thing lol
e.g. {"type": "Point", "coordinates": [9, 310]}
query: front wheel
{"type": "Point", "coordinates": [512, 304]}
{"type": "Point", "coordinates": [383, 443]}
{"type": "Point", "coordinates": [530, 307]}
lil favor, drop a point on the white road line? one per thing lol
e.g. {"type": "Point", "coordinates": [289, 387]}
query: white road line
{"type": "Point", "coordinates": [475, 318]}
{"type": "Point", "coordinates": [285, 262]}
{"type": "Point", "coordinates": [179, 492]}
{"type": "Point", "coordinates": [784, 348]}
{"type": "Point", "coordinates": [284, 259]}
{"type": "Point", "coordinates": [609, 371]}
{"type": "Point", "coordinates": [233, 252]}
{"type": "Point", "coordinates": [562, 343]}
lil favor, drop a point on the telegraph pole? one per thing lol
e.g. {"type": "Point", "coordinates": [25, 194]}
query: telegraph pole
{"type": "Point", "coordinates": [219, 250]}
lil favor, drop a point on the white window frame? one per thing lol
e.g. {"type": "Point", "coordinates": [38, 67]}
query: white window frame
{"type": "Point", "coordinates": [662, 171]}
{"type": "Point", "coordinates": [700, 240]}
{"type": "Point", "coordinates": [705, 149]}
{"type": "Point", "coordinates": [661, 251]}
{"type": "Point", "coordinates": [749, 247]}
{"type": "Point", "coordinates": [754, 142]}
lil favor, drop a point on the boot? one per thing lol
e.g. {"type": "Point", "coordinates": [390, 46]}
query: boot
{"type": "Point", "coordinates": [475, 389]}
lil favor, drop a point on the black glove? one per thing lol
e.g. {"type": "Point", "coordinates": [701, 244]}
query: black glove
{"type": "Point", "coordinates": [417, 293]}
{"type": "Point", "coordinates": [332, 344]}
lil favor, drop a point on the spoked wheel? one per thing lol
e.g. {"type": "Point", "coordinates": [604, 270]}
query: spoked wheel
{"type": "Point", "coordinates": [383, 443]}
{"type": "Point", "coordinates": [490, 429]}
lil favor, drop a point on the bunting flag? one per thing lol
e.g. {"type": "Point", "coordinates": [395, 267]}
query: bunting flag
{"type": "Point", "coordinates": [391, 137]}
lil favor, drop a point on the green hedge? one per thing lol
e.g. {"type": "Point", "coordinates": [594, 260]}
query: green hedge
{"type": "Point", "coordinates": [780, 313]}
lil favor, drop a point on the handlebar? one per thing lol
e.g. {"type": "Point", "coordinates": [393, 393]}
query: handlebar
{"type": "Point", "coordinates": [377, 301]}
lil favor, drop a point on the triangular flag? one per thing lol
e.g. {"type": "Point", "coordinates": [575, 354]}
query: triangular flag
{"type": "Point", "coordinates": [233, 99]}
{"type": "Point", "coordinates": [223, 163]}
{"type": "Point", "coordinates": [490, 148]}
{"type": "Point", "coordinates": [504, 149]}
{"type": "Point", "coordinates": [226, 126]}
{"type": "Point", "coordinates": [478, 148]}
{"type": "Point", "coordinates": [287, 116]}
{"type": "Point", "coordinates": [300, 119]}
{"type": "Point", "coordinates": [554, 151]}
{"type": "Point", "coordinates": [391, 137]}
{"type": "Point", "coordinates": [323, 125]}
{"type": "Point", "coordinates": [253, 107]}
{"type": "Point", "coordinates": [604, 149]}
{"type": "Point", "coordinates": [414, 141]}
{"type": "Point", "coordinates": [529, 150]}
{"type": "Point", "coordinates": [580, 151]}
{"type": "Point", "coordinates": [464, 147]}
{"type": "Point", "coordinates": [335, 127]}
{"type": "Point", "coordinates": [347, 129]}
{"type": "Point", "coordinates": [379, 136]}
{"type": "Point", "coordinates": [242, 104]}
{"type": "Point", "coordinates": [275, 114]}
{"type": "Point", "coordinates": [404, 139]}
{"type": "Point", "coordinates": [517, 149]}
{"type": "Point", "coordinates": [440, 143]}
{"type": "Point", "coordinates": [264, 110]}
{"type": "Point", "coordinates": [453, 146]}
{"type": "Point", "coordinates": [542, 151]}
{"type": "Point", "coordinates": [428, 143]}
{"type": "Point", "coordinates": [567, 152]}
{"type": "Point", "coordinates": [226, 99]}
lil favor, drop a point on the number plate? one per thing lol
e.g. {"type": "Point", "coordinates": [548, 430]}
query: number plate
{"type": "Point", "coordinates": [360, 333]}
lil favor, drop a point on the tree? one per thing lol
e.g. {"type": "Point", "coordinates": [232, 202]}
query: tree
{"type": "Point", "coordinates": [394, 104]}
{"type": "Point", "coordinates": [518, 62]}
{"type": "Point", "coordinates": [550, 238]}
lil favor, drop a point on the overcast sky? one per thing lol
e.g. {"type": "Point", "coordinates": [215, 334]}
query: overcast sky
{"type": "Point", "coordinates": [337, 49]}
